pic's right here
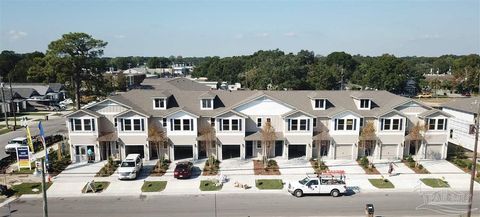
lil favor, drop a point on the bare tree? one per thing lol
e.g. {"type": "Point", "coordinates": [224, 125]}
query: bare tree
{"type": "Point", "coordinates": [416, 134]}
{"type": "Point", "coordinates": [320, 139]}
{"type": "Point", "coordinates": [367, 135]}
{"type": "Point", "coordinates": [157, 137]}
{"type": "Point", "coordinates": [268, 140]}
{"type": "Point", "coordinates": [209, 138]}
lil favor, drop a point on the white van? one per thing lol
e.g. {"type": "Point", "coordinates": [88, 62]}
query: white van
{"type": "Point", "coordinates": [130, 167]}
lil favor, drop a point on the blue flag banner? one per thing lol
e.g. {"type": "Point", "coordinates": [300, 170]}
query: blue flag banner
{"type": "Point", "coordinates": [42, 135]}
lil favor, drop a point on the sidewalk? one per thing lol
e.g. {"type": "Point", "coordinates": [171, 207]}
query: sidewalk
{"type": "Point", "coordinates": [71, 181]}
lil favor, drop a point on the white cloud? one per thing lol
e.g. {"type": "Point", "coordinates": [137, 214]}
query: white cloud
{"type": "Point", "coordinates": [119, 36]}
{"type": "Point", "coordinates": [262, 35]}
{"type": "Point", "coordinates": [14, 34]}
{"type": "Point", "coordinates": [290, 34]}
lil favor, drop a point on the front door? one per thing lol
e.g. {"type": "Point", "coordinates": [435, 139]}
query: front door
{"type": "Point", "coordinates": [324, 148]}
{"type": "Point", "coordinates": [249, 149]}
{"type": "Point", "coordinates": [81, 154]}
{"type": "Point", "coordinates": [278, 148]}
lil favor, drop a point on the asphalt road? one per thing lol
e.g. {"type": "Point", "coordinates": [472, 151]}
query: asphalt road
{"type": "Point", "coordinates": [52, 126]}
{"type": "Point", "coordinates": [395, 204]}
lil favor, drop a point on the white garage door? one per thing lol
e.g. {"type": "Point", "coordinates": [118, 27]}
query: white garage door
{"type": "Point", "coordinates": [434, 151]}
{"type": "Point", "coordinates": [389, 151]}
{"type": "Point", "coordinates": [343, 151]}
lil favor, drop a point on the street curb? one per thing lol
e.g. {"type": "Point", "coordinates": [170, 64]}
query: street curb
{"type": "Point", "coordinates": [7, 201]}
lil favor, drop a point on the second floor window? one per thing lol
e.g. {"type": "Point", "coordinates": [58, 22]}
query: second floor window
{"type": "Point", "coordinates": [300, 124]}
{"type": "Point", "coordinates": [437, 124]}
{"type": "Point", "coordinates": [259, 122]}
{"type": "Point", "coordinates": [391, 124]}
{"type": "Point", "coordinates": [181, 125]}
{"type": "Point", "coordinates": [82, 124]}
{"type": "Point", "coordinates": [132, 124]}
{"type": "Point", "coordinates": [230, 125]}
{"type": "Point", "coordinates": [345, 124]}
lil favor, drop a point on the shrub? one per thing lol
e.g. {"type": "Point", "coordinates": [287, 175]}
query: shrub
{"type": "Point", "coordinates": [469, 165]}
{"type": "Point", "coordinates": [409, 159]}
{"type": "Point", "coordinates": [271, 163]}
{"type": "Point", "coordinates": [420, 166]}
{"type": "Point", "coordinates": [364, 161]}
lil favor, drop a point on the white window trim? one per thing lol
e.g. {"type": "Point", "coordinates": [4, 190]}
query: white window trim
{"type": "Point", "coordinates": [368, 107]}
{"type": "Point", "coordinates": [445, 124]}
{"type": "Point", "coordinates": [307, 124]}
{"type": "Point", "coordinates": [220, 124]}
{"type": "Point", "coordinates": [191, 124]}
{"type": "Point", "coordinates": [93, 125]}
{"type": "Point", "coordinates": [206, 108]}
{"type": "Point", "coordinates": [400, 124]}
{"type": "Point", "coordinates": [319, 108]}
{"type": "Point", "coordinates": [164, 103]}
{"type": "Point", "coordinates": [259, 121]}
{"type": "Point", "coordinates": [335, 124]}
{"type": "Point", "coordinates": [132, 125]}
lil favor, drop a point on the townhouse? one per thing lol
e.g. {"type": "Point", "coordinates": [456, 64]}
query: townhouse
{"type": "Point", "coordinates": [461, 129]}
{"type": "Point", "coordinates": [307, 124]}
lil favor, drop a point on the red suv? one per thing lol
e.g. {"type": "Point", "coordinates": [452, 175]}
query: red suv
{"type": "Point", "coordinates": [183, 170]}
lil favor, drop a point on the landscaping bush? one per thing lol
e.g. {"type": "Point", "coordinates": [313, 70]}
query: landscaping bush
{"type": "Point", "coordinates": [271, 163]}
{"type": "Point", "coordinates": [364, 162]}
{"type": "Point", "coordinates": [211, 169]}
{"type": "Point", "coordinates": [108, 169]}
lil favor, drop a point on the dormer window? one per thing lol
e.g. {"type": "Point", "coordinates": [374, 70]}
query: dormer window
{"type": "Point", "coordinates": [206, 104]}
{"type": "Point", "coordinates": [365, 103]}
{"type": "Point", "coordinates": [159, 103]}
{"type": "Point", "coordinates": [320, 104]}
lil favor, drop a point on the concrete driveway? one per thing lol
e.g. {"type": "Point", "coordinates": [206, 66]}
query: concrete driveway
{"type": "Point", "coordinates": [398, 167]}
{"type": "Point", "coordinates": [295, 166]}
{"type": "Point", "coordinates": [350, 167]}
{"type": "Point", "coordinates": [236, 167]}
{"type": "Point", "coordinates": [441, 166]}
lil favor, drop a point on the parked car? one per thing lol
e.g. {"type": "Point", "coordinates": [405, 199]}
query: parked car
{"type": "Point", "coordinates": [11, 147]}
{"type": "Point", "coordinates": [183, 170]}
{"type": "Point", "coordinates": [332, 184]}
{"type": "Point", "coordinates": [424, 95]}
{"type": "Point", "coordinates": [130, 167]}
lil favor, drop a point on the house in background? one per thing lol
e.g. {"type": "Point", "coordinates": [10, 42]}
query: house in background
{"type": "Point", "coordinates": [461, 129]}
{"type": "Point", "coordinates": [33, 96]}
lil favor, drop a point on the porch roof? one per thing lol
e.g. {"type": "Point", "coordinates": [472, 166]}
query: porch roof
{"type": "Point", "coordinates": [410, 137]}
{"type": "Point", "coordinates": [107, 137]}
{"type": "Point", "coordinates": [204, 138]}
{"type": "Point", "coordinates": [257, 136]}
{"type": "Point", "coordinates": [321, 136]}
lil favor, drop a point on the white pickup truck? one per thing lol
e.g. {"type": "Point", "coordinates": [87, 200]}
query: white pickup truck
{"type": "Point", "coordinates": [322, 184]}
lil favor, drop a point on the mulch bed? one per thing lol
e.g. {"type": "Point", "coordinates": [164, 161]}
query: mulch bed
{"type": "Point", "coordinates": [368, 170]}
{"type": "Point", "coordinates": [160, 168]}
{"type": "Point", "coordinates": [417, 170]}
{"type": "Point", "coordinates": [260, 170]}
{"type": "Point", "coordinates": [319, 169]}
{"type": "Point", "coordinates": [211, 170]}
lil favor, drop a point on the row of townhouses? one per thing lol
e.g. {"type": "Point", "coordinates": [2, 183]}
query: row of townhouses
{"type": "Point", "coordinates": [308, 124]}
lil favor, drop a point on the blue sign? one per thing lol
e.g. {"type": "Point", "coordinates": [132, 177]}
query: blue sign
{"type": "Point", "coordinates": [23, 157]}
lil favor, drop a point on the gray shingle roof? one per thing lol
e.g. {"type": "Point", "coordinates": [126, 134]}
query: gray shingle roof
{"type": "Point", "coordinates": [469, 105]}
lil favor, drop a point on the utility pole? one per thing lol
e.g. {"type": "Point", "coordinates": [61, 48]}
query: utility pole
{"type": "Point", "coordinates": [3, 103]}
{"type": "Point", "coordinates": [474, 164]}
{"type": "Point", "coordinates": [44, 190]}
{"type": "Point", "coordinates": [14, 107]}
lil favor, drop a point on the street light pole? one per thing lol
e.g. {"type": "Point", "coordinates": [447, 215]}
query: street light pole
{"type": "Point", "coordinates": [4, 104]}
{"type": "Point", "coordinates": [474, 164]}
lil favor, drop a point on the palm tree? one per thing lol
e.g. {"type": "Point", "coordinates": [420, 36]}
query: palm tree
{"type": "Point", "coordinates": [157, 136]}
{"type": "Point", "coordinates": [268, 140]}
{"type": "Point", "coordinates": [208, 135]}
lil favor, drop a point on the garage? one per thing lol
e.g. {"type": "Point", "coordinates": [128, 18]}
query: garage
{"type": "Point", "coordinates": [134, 149]}
{"type": "Point", "coordinates": [230, 151]}
{"type": "Point", "coordinates": [389, 151]}
{"type": "Point", "coordinates": [182, 152]}
{"type": "Point", "coordinates": [434, 151]}
{"type": "Point", "coordinates": [296, 151]}
{"type": "Point", "coordinates": [343, 151]}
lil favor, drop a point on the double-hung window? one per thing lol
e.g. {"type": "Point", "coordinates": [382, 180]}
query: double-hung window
{"type": "Point", "coordinates": [87, 124]}
{"type": "Point", "coordinates": [82, 124]}
{"type": "Point", "coordinates": [181, 124]}
{"type": "Point", "coordinates": [437, 124]}
{"type": "Point", "coordinates": [159, 103]}
{"type": "Point", "coordinates": [132, 124]}
{"type": "Point", "coordinates": [235, 124]}
{"type": "Point", "coordinates": [346, 124]}
{"type": "Point", "coordinates": [77, 124]}
{"type": "Point", "coordinates": [298, 124]}
{"type": "Point", "coordinates": [259, 122]}
{"type": "Point", "coordinates": [225, 124]}
{"type": "Point", "coordinates": [391, 124]}
{"type": "Point", "coordinates": [364, 103]}
{"type": "Point", "coordinates": [320, 104]}
{"type": "Point", "coordinates": [230, 125]}
{"type": "Point", "coordinates": [177, 124]}
{"type": "Point", "coordinates": [207, 103]}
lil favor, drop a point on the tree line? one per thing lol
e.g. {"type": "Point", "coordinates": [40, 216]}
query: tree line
{"type": "Point", "coordinates": [275, 69]}
{"type": "Point", "coordinates": [76, 60]}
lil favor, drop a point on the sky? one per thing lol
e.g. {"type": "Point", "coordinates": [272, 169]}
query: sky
{"type": "Point", "coordinates": [232, 28]}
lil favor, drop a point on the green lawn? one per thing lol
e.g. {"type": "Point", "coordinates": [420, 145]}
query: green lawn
{"type": "Point", "coordinates": [26, 188]}
{"type": "Point", "coordinates": [25, 170]}
{"type": "Point", "coordinates": [269, 184]}
{"type": "Point", "coordinates": [381, 183]}
{"type": "Point", "coordinates": [207, 185]}
{"type": "Point", "coordinates": [99, 187]}
{"type": "Point", "coordinates": [154, 186]}
{"type": "Point", "coordinates": [435, 183]}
